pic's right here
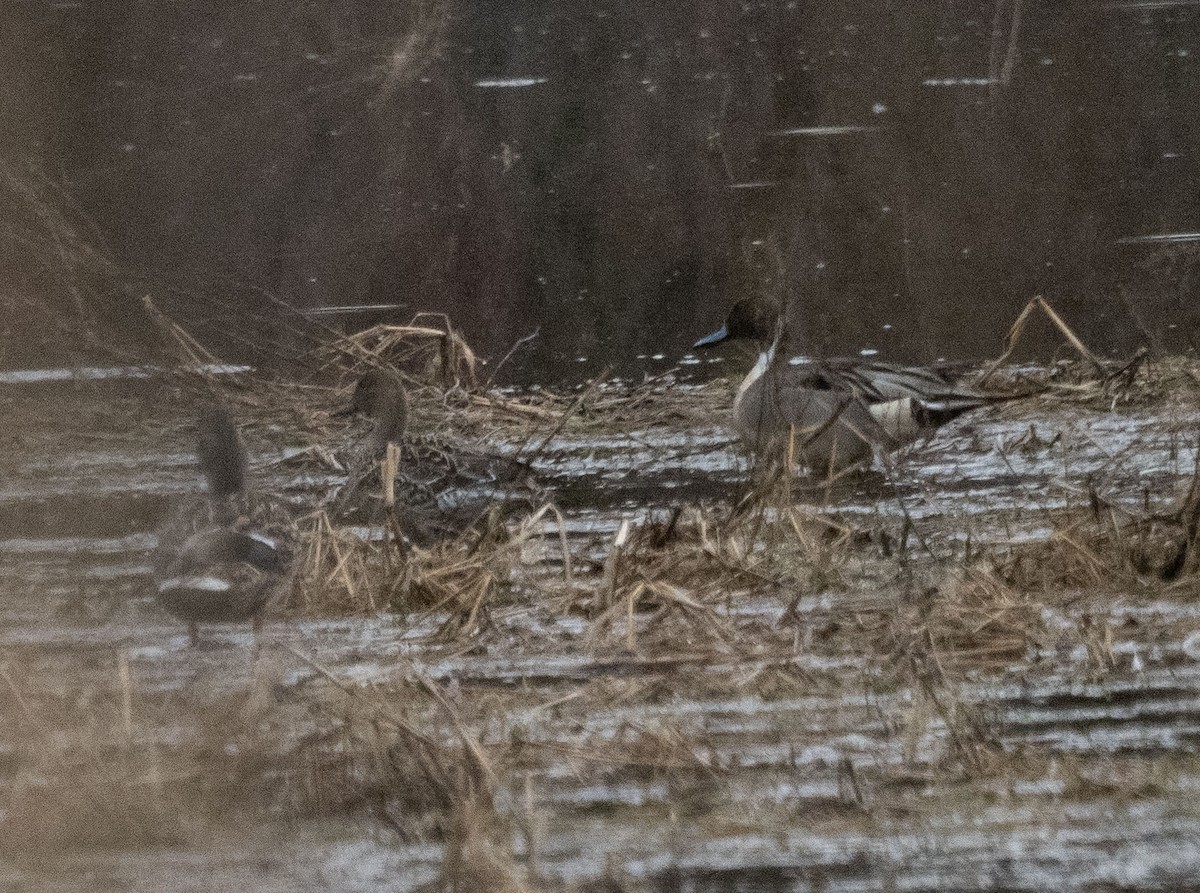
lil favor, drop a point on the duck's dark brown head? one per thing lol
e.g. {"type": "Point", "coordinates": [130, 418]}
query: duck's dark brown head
{"type": "Point", "coordinates": [380, 396]}
{"type": "Point", "coordinates": [220, 451]}
{"type": "Point", "coordinates": [750, 318]}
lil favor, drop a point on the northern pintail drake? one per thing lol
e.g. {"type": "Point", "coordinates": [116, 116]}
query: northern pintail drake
{"type": "Point", "coordinates": [224, 557]}
{"type": "Point", "coordinates": [834, 413]}
{"type": "Point", "coordinates": [441, 489]}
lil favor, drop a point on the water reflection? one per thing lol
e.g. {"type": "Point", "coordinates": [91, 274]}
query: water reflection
{"type": "Point", "coordinates": [618, 176]}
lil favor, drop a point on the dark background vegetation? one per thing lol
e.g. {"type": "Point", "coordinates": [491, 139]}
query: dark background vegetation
{"type": "Point", "coordinates": [227, 157]}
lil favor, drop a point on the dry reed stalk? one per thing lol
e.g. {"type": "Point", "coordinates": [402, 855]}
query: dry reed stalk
{"type": "Point", "coordinates": [125, 683]}
{"type": "Point", "coordinates": [516, 408]}
{"type": "Point", "coordinates": [473, 860]}
{"type": "Point", "coordinates": [1018, 327]}
{"type": "Point", "coordinates": [398, 761]}
{"type": "Point", "coordinates": [195, 356]}
{"type": "Point", "coordinates": [564, 545]}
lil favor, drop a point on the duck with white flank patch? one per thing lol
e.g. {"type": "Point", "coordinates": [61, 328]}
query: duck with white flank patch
{"type": "Point", "coordinates": [223, 558]}
{"type": "Point", "coordinates": [837, 412]}
{"type": "Point", "coordinates": [441, 489]}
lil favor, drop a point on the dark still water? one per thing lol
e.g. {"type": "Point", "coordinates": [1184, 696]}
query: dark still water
{"type": "Point", "coordinates": [613, 175]}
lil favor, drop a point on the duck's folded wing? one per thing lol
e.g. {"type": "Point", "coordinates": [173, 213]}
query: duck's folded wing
{"type": "Point", "coordinates": [443, 463]}
{"type": "Point", "coordinates": [934, 389]}
{"type": "Point", "coordinates": [223, 546]}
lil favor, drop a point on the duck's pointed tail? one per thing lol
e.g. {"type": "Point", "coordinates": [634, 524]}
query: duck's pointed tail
{"type": "Point", "coordinates": [909, 401]}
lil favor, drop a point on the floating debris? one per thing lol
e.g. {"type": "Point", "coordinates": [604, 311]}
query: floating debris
{"type": "Point", "coordinates": [755, 184]}
{"type": "Point", "coordinates": [826, 130]}
{"type": "Point", "coordinates": [509, 83]}
{"type": "Point", "coordinates": [959, 82]}
{"type": "Point", "coordinates": [351, 308]}
{"type": "Point", "coordinates": [1150, 4]}
{"type": "Point", "coordinates": [100, 373]}
{"type": "Point", "coordinates": [1169, 238]}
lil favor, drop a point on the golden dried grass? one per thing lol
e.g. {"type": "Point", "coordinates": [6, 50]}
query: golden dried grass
{"type": "Point", "coordinates": [421, 349]}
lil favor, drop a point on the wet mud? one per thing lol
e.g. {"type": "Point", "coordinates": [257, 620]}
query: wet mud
{"type": "Point", "coordinates": [890, 712]}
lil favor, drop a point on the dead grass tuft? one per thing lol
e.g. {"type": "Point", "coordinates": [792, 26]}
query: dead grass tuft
{"type": "Point", "coordinates": [90, 773]}
{"type": "Point", "coordinates": [475, 860]}
{"type": "Point", "coordinates": [342, 573]}
{"type": "Point", "coordinates": [1108, 544]}
{"type": "Point", "coordinates": [425, 351]}
{"type": "Point", "coordinates": [972, 620]}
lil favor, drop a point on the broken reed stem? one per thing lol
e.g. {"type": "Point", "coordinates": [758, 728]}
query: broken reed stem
{"type": "Point", "coordinates": [526, 339]}
{"type": "Point", "coordinates": [630, 626]}
{"type": "Point", "coordinates": [570, 411]}
{"type": "Point", "coordinates": [1129, 369]}
{"type": "Point", "coordinates": [608, 583]}
{"type": "Point", "coordinates": [1010, 341]}
{"type": "Point", "coordinates": [568, 574]}
{"type": "Point", "coordinates": [316, 555]}
{"type": "Point", "coordinates": [1018, 327]}
{"type": "Point", "coordinates": [340, 568]}
{"type": "Point", "coordinates": [532, 825]}
{"type": "Point", "coordinates": [126, 684]}
{"type": "Point", "coordinates": [389, 467]}
{"type": "Point", "coordinates": [1071, 337]}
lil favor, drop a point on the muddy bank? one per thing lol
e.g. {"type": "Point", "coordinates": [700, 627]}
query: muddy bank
{"type": "Point", "coordinates": [885, 684]}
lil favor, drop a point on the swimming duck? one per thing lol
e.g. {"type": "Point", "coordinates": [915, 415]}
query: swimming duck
{"type": "Point", "coordinates": [441, 489]}
{"type": "Point", "coordinates": [838, 412]}
{"type": "Point", "coordinates": [222, 558]}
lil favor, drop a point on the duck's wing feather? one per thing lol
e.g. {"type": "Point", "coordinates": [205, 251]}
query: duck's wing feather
{"type": "Point", "coordinates": [936, 390]}
{"type": "Point", "coordinates": [222, 545]}
{"type": "Point", "coordinates": [221, 574]}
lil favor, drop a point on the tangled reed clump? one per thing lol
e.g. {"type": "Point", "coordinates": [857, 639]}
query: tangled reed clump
{"type": "Point", "coordinates": [1110, 544]}
{"type": "Point", "coordinates": [971, 619]}
{"type": "Point", "coordinates": [342, 572]}
{"type": "Point", "coordinates": [423, 350]}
